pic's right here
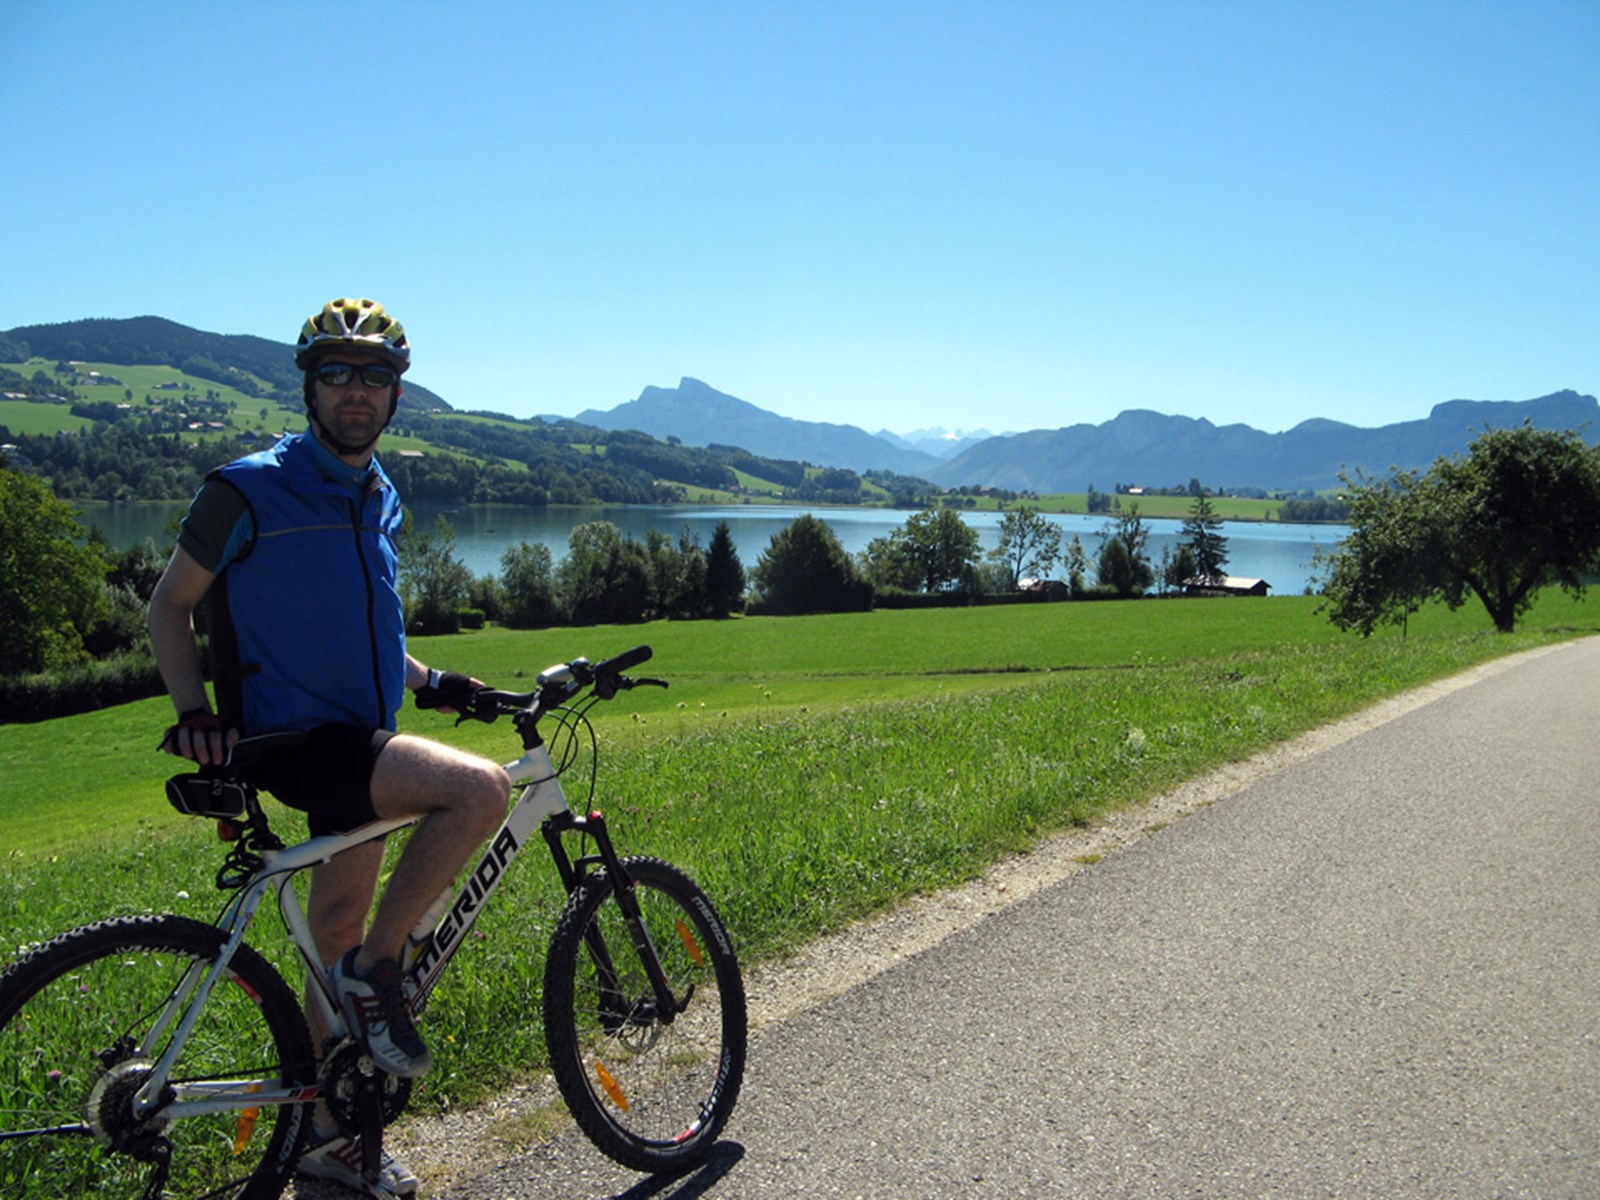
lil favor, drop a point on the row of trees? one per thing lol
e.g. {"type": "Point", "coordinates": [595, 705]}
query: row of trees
{"type": "Point", "coordinates": [936, 551]}
{"type": "Point", "coordinates": [606, 577]}
{"type": "Point", "coordinates": [609, 577]}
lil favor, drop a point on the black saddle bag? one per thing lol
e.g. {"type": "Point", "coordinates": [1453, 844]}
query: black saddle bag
{"type": "Point", "coordinates": [207, 796]}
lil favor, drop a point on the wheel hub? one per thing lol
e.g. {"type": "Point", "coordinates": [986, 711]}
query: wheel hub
{"type": "Point", "coordinates": [111, 1117]}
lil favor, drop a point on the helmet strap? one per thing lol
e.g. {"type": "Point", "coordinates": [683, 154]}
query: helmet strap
{"type": "Point", "coordinates": [335, 444]}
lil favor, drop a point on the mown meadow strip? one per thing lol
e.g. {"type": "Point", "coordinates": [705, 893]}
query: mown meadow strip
{"type": "Point", "coordinates": [809, 771]}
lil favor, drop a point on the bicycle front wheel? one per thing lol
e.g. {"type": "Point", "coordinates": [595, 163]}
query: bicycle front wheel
{"type": "Point", "coordinates": [651, 1089]}
{"type": "Point", "coordinates": [84, 1020]}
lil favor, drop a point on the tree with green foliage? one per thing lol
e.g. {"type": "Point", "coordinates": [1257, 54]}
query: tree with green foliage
{"type": "Point", "coordinates": [528, 587]}
{"type": "Point", "coordinates": [52, 584]}
{"type": "Point", "coordinates": [1029, 545]}
{"type": "Point", "coordinates": [1124, 564]}
{"type": "Point", "coordinates": [1177, 566]}
{"type": "Point", "coordinates": [605, 576]}
{"type": "Point", "coordinates": [1117, 569]}
{"type": "Point", "coordinates": [677, 575]}
{"type": "Point", "coordinates": [434, 583]}
{"type": "Point", "coordinates": [1519, 511]}
{"type": "Point", "coordinates": [886, 563]}
{"type": "Point", "coordinates": [943, 547]}
{"type": "Point", "coordinates": [1202, 536]}
{"type": "Point", "coordinates": [1075, 562]}
{"type": "Point", "coordinates": [804, 569]}
{"type": "Point", "coordinates": [724, 573]}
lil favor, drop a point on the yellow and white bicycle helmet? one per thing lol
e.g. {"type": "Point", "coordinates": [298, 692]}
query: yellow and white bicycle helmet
{"type": "Point", "coordinates": [353, 324]}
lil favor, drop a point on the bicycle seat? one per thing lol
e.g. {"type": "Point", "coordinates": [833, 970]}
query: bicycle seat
{"type": "Point", "coordinates": [248, 750]}
{"type": "Point", "coordinates": [220, 792]}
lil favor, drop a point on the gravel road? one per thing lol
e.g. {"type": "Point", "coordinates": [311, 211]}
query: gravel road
{"type": "Point", "coordinates": [1363, 965]}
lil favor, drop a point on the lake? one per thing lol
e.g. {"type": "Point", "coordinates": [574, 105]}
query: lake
{"type": "Point", "coordinates": [1279, 553]}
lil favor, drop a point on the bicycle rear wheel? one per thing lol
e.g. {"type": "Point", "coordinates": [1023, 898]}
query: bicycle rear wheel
{"type": "Point", "coordinates": [82, 1020]}
{"type": "Point", "coordinates": [652, 1091]}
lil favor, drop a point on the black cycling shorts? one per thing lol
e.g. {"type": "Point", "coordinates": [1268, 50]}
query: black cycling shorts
{"type": "Point", "coordinates": [328, 776]}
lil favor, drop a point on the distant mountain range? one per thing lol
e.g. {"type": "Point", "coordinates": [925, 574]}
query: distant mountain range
{"type": "Point", "coordinates": [1136, 447]}
{"type": "Point", "coordinates": [699, 415]}
{"type": "Point", "coordinates": [941, 443]}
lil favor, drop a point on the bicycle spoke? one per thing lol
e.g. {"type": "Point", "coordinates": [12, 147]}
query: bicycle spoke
{"type": "Point", "coordinates": [651, 1088]}
{"type": "Point", "coordinates": [77, 1048]}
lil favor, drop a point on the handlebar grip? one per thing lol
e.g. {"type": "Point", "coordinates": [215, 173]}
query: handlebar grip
{"type": "Point", "coordinates": [624, 661]}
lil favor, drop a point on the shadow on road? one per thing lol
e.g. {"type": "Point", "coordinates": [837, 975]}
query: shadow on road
{"type": "Point", "coordinates": [724, 1156]}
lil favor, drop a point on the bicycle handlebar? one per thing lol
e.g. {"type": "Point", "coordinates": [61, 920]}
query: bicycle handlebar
{"type": "Point", "coordinates": [560, 683]}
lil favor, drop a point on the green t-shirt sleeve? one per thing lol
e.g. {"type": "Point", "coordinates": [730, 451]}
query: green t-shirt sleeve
{"type": "Point", "coordinates": [217, 527]}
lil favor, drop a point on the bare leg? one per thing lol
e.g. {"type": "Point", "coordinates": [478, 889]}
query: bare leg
{"type": "Point", "coordinates": [464, 797]}
{"type": "Point", "coordinates": [337, 908]}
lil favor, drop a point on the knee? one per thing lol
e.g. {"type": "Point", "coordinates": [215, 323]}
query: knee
{"type": "Point", "coordinates": [483, 796]}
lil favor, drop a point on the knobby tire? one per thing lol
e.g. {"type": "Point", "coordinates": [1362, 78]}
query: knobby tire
{"type": "Point", "coordinates": [651, 1094]}
{"type": "Point", "coordinates": [71, 1013]}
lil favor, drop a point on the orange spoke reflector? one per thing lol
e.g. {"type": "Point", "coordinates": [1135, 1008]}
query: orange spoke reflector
{"type": "Point", "coordinates": [612, 1087]}
{"type": "Point", "coordinates": [246, 1126]}
{"type": "Point", "coordinates": [686, 936]}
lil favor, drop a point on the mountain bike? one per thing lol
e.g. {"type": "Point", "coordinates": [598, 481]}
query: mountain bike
{"type": "Point", "coordinates": [158, 1056]}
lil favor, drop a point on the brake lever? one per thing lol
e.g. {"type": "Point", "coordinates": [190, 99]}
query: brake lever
{"type": "Point", "coordinates": [473, 711]}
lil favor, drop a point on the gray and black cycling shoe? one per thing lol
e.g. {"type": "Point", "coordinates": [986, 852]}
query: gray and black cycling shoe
{"type": "Point", "coordinates": [375, 1009]}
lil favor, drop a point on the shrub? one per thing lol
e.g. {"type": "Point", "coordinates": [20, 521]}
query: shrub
{"type": "Point", "coordinates": [80, 688]}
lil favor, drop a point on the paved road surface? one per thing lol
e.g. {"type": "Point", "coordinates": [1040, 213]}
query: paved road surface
{"type": "Point", "coordinates": [1375, 973]}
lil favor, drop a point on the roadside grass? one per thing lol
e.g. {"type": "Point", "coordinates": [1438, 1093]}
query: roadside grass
{"type": "Point", "coordinates": [808, 771]}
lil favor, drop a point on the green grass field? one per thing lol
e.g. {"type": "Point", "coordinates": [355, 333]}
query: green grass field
{"type": "Point", "coordinates": [1228, 508]}
{"type": "Point", "coordinates": [809, 771]}
{"type": "Point", "coordinates": [39, 420]}
{"type": "Point", "coordinates": [143, 380]}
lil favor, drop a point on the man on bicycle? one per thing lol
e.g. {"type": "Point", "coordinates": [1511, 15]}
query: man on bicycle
{"type": "Point", "coordinates": [293, 548]}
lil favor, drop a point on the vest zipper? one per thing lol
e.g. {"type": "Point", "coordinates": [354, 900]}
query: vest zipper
{"type": "Point", "coordinates": [356, 508]}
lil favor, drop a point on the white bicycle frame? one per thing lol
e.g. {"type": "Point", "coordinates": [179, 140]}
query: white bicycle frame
{"type": "Point", "coordinates": [541, 797]}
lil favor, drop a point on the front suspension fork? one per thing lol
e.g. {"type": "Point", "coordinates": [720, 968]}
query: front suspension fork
{"type": "Point", "coordinates": [574, 872]}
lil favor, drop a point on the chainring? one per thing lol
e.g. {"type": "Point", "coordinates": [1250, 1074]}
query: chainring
{"type": "Point", "coordinates": [344, 1072]}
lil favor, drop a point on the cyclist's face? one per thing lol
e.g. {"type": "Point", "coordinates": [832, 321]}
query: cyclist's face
{"type": "Point", "coordinates": [354, 412]}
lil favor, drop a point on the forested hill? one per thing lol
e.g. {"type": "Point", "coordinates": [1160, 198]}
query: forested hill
{"type": "Point", "coordinates": [98, 429]}
{"type": "Point", "coordinates": [253, 365]}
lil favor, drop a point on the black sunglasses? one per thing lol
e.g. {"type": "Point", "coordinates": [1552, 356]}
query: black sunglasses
{"type": "Point", "coordinates": [337, 374]}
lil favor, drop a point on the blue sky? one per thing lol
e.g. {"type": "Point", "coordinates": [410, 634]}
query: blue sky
{"type": "Point", "coordinates": [1006, 215]}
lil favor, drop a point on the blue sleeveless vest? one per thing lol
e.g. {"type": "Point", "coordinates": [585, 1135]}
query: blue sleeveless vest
{"type": "Point", "coordinates": [316, 621]}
